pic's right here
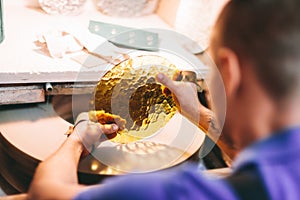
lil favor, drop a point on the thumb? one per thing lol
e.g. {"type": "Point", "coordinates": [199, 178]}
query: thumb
{"type": "Point", "coordinates": [166, 81]}
{"type": "Point", "coordinates": [108, 128]}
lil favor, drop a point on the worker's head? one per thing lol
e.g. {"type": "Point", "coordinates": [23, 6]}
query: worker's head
{"type": "Point", "coordinates": [256, 46]}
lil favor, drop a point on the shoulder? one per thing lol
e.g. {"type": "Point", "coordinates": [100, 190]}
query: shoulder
{"type": "Point", "coordinates": [179, 183]}
{"type": "Point", "coordinates": [248, 183]}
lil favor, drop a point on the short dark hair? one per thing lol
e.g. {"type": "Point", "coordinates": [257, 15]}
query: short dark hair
{"type": "Point", "coordinates": [265, 33]}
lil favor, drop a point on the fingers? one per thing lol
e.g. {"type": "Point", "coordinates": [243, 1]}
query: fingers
{"type": "Point", "coordinates": [109, 128]}
{"type": "Point", "coordinates": [98, 129]}
{"type": "Point", "coordinates": [95, 131]}
{"type": "Point", "coordinates": [166, 81]}
{"type": "Point", "coordinates": [89, 132]}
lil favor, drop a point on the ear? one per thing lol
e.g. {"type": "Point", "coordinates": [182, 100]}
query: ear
{"type": "Point", "coordinates": [230, 69]}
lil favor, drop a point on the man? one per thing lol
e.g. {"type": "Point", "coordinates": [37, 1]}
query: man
{"type": "Point", "coordinates": [256, 46]}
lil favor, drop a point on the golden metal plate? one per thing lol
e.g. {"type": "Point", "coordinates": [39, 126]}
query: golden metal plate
{"type": "Point", "coordinates": [155, 136]}
{"type": "Point", "coordinates": [129, 96]}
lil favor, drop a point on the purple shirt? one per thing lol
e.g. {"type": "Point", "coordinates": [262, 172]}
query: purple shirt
{"type": "Point", "coordinates": [275, 159]}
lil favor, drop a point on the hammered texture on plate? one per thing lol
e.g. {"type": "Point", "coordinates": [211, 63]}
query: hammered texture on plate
{"type": "Point", "coordinates": [129, 96]}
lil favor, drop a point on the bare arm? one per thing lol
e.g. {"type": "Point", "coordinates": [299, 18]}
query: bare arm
{"type": "Point", "coordinates": [191, 108]}
{"type": "Point", "coordinates": [56, 177]}
{"type": "Point", "coordinates": [189, 105]}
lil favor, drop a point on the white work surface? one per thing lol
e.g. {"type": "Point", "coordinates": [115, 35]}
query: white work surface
{"type": "Point", "coordinates": [22, 62]}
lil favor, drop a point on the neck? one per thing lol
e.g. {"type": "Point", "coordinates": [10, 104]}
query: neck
{"type": "Point", "coordinates": [288, 115]}
{"type": "Point", "coordinates": [268, 119]}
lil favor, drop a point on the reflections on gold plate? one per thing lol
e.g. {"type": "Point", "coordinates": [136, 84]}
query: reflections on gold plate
{"type": "Point", "coordinates": [129, 96]}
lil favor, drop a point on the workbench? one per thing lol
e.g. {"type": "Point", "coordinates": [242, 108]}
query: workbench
{"type": "Point", "coordinates": [25, 69]}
